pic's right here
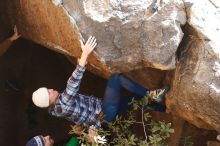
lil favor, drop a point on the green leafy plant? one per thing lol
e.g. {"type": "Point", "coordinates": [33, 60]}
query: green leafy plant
{"type": "Point", "coordinates": [120, 131]}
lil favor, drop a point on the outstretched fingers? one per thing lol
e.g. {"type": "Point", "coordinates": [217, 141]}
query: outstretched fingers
{"type": "Point", "coordinates": [93, 43]}
{"type": "Point", "coordinates": [89, 45]}
{"type": "Point", "coordinates": [88, 41]}
{"type": "Point", "coordinates": [15, 29]}
{"type": "Point", "coordinates": [16, 35]}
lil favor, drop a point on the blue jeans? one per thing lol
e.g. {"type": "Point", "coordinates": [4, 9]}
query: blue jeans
{"type": "Point", "coordinates": [113, 103]}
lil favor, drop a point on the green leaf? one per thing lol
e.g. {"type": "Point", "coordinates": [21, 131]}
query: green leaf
{"type": "Point", "coordinates": [146, 116]}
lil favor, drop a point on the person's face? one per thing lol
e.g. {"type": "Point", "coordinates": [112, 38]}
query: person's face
{"type": "Point", "coordinates": [53, 94]}
{"type": "Point", "coordinates": [48, 141]}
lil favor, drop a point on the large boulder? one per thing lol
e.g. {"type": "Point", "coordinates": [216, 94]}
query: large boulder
{"type": "Point", "coordinates": [129, 35]}
{"type": "Point", "coordinates": [195, 93]}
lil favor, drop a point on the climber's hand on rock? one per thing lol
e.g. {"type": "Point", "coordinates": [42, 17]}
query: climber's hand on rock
{"type": "Point", "coordinates": [16, 35]}
{"type": "Point", "coordinates": [89, 46]}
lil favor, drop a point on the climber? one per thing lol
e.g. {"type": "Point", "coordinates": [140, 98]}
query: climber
{"type": "Point", "coordinates": [88, 110]}
{"type": "Point", "coordinates": [11, 84]}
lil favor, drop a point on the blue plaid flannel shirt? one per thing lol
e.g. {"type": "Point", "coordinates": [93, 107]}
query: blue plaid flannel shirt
{"type": "Point", "coordinates": [80, 109]}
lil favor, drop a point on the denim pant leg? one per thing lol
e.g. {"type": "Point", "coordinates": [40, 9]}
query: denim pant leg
{"type": "Point", "coordinates": [112, 97]}
{"type": "Point", "coordinates": [132, 86]}
{"type": "Point", "coordinates": [140, 91]}
{"type": "Point", "coordinates": [124, 105]}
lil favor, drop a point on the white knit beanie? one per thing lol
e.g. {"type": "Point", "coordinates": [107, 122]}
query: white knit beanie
{"type": "Point", "coordinates": [218, 137]}
{"type": "Point", "coordinates": [41, 97]}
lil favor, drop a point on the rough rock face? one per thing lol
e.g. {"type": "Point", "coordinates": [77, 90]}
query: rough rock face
{"type": "Point", "coordinates": [195, 93]}
{"type": "Point", "coordinates": [129, 35]}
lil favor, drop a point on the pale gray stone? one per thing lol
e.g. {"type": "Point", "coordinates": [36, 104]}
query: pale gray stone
{"type": "Point", "coordinates": [129, 35]}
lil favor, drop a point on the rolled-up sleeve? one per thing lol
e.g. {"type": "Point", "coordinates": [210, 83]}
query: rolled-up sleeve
{"type": "Point", "coordinates": [73, 85]}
